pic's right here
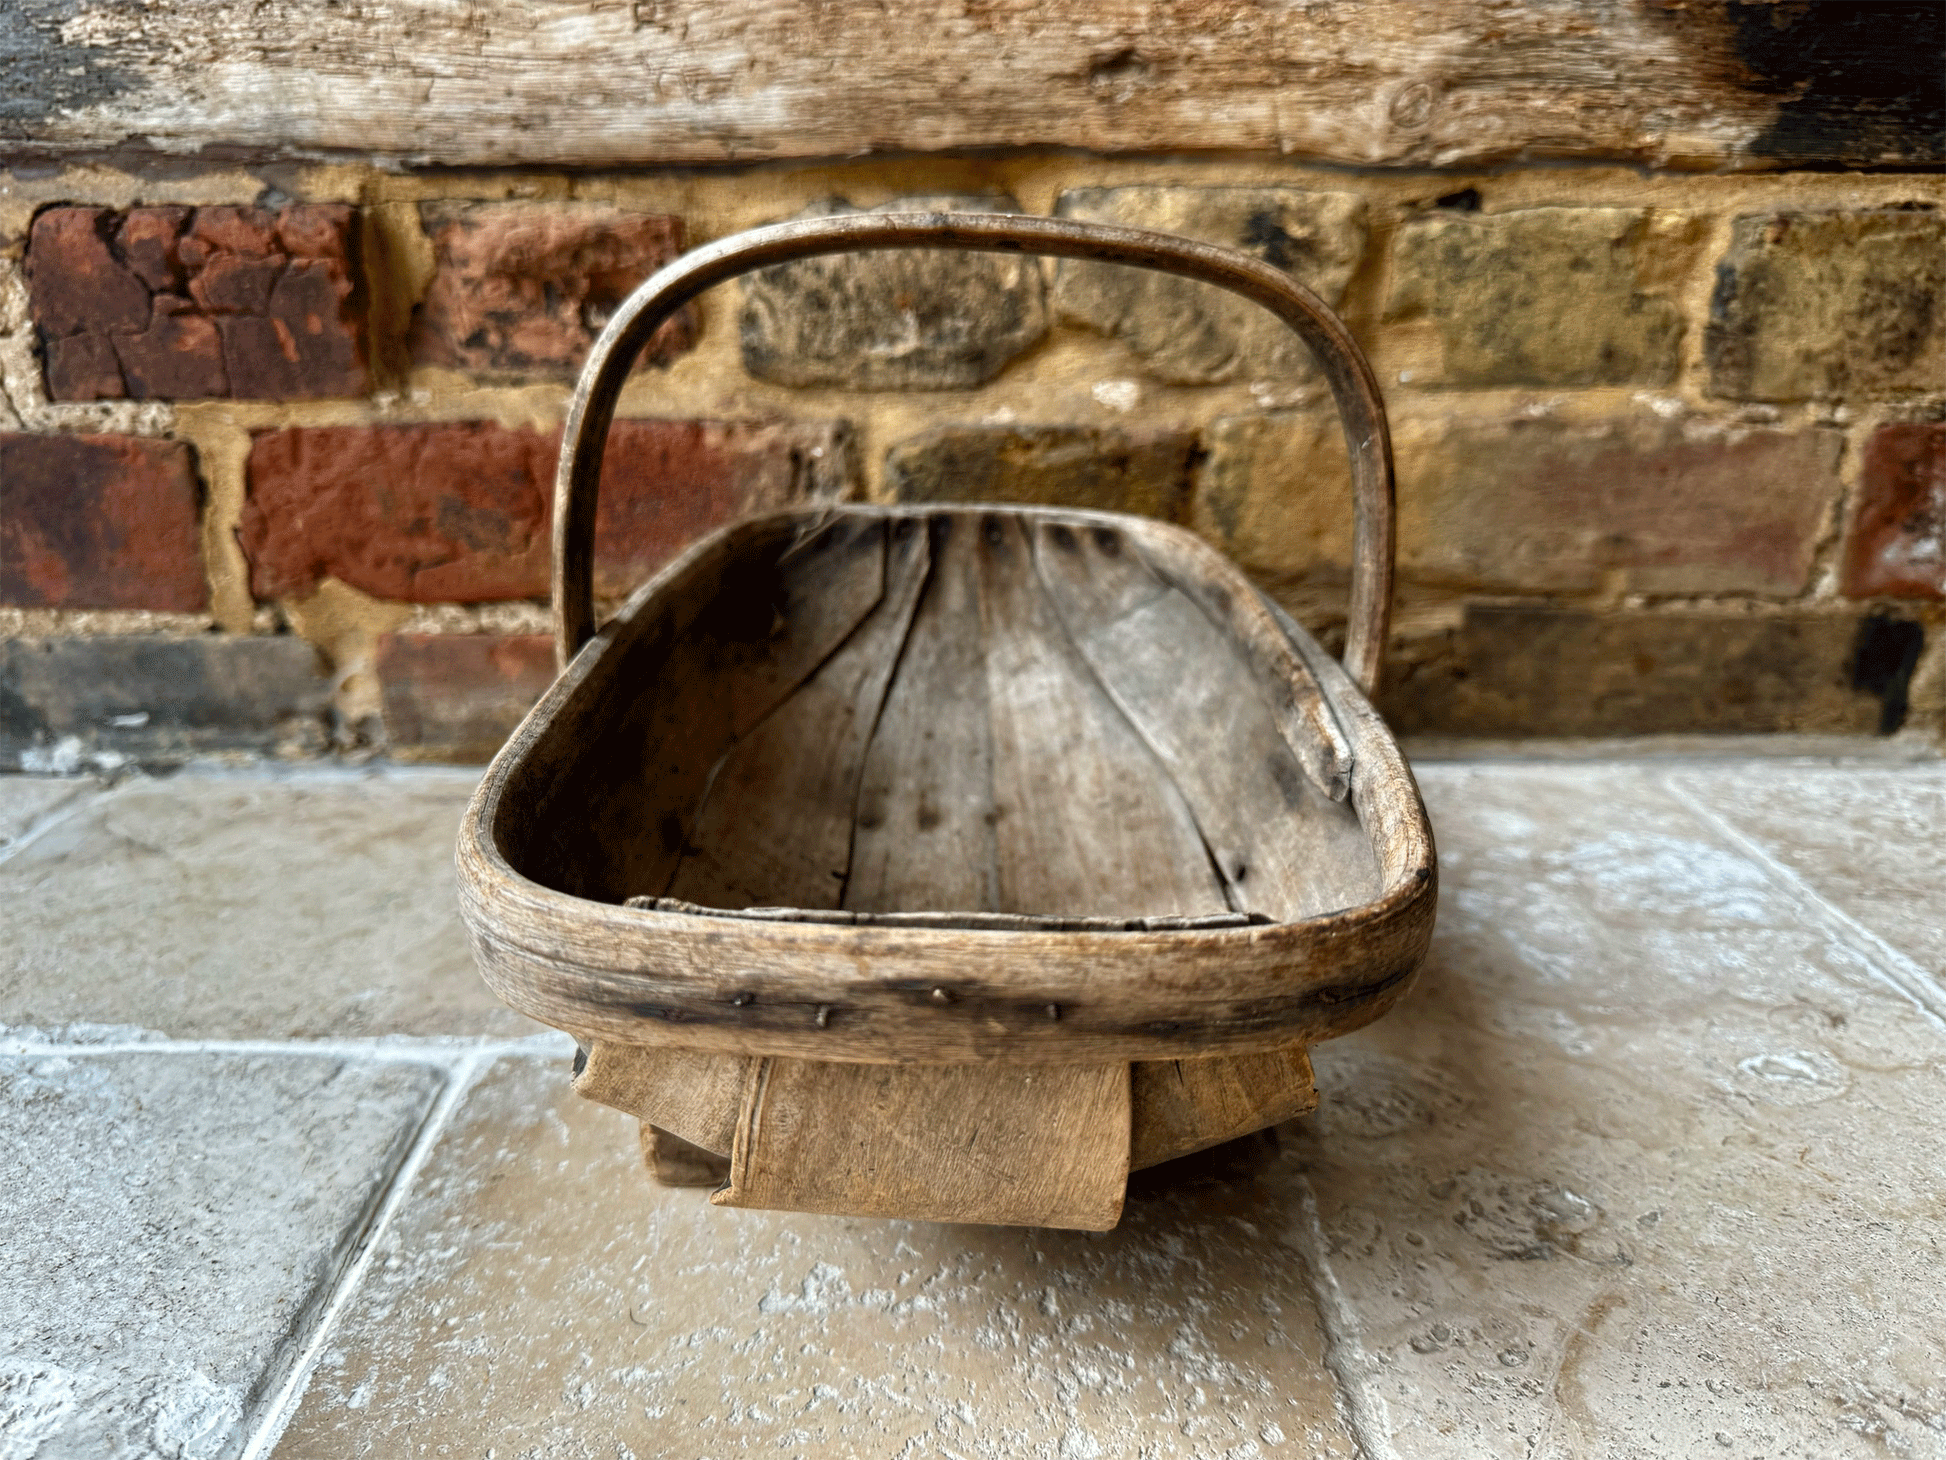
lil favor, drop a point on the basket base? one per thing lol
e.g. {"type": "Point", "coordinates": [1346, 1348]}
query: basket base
{"type": "Point", "coordinates": [673, 1161]}
{"type": "Point", "coordinates": [1017, 1145]}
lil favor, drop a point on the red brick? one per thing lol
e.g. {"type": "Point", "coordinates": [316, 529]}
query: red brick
{"type": "Point", "coordinates": [525, 287]}
{"type": "Point", "coordinates": [1535, 505]}
{"type": "Point", "coordinates": [1897, 544]}
{"type": "Point", "coordinates": [457, 696]}
{"type": "Point", "coordinates": [100, 522]}
{"type": "Point", "coordinates": [182, 303]}
{"type": "Point", "coordinates": [459, 512]}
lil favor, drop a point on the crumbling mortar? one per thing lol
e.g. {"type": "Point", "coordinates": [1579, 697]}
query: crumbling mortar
{"type": "Point", "coordinates": [1055, 383]}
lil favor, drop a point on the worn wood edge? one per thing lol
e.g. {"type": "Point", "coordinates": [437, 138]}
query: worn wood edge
{"type": "Point", "coordinates": [673, 1161]}
{"type": "Point", "coordinates": [1002, 922]}
{"type": "Point", "coordinates": [1040, 1148]}
{"type": "Point", "coordinates": [801, 989]}
{"type": "Point", "coordinates": [1213, 1101]}
{"type": "Point", "coordinates": [1308, 722]}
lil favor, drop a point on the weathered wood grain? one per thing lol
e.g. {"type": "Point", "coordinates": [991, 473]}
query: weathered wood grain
{"type": "Point", "coordinates": [1086, 820]}
{"type": "Point", "coordinates": [674, 1161]}
{"type": "Point", "coordinates": [924, 838]}
{"type": "Point", "coordinates": [1189, 1105]}
{"type": "Point", "coordinates": [588, 82]}
{"type": "Point", "coordinates": [1280, 845]}
{"type": "Point", "coordinates": [1045, 1146]}
{"type": "Point", "coordinates": [776, 819]}
{"type": "Point", "coordinates": [694, 1096]}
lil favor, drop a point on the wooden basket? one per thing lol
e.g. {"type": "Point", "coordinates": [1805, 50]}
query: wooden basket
{"type": "Point", "coordinates": [950, 863]}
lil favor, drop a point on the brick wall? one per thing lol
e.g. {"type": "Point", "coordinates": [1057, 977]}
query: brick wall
{"type": "Point", "coordinates": [275, 445]}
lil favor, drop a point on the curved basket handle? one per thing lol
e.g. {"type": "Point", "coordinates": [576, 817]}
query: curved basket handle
{"type": "Point", "coordinates": [1361, 412]}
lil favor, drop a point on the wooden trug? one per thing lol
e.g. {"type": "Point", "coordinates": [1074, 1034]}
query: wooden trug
{"type": "Point", "coordinates": [950, 863]}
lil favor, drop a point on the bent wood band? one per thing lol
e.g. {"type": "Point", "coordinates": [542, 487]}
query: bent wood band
{"type": "Point", "coordinates": [950, 863]}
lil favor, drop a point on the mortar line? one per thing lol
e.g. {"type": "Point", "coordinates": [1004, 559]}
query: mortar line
{"type": "Point", "coordinates": [62, 814]}
{"type": "Point", "coordinates": [1898, 972]}
{"type": "Point", "coordinates": [1363, 1411]}
{"type": "Point", "coordinates": [445, 1050]}
{"type": "Point", "coordinates": [274, 1417]}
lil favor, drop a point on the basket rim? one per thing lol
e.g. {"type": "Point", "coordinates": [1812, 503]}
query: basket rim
{"type": "Point", "coordinates": [878, 993]}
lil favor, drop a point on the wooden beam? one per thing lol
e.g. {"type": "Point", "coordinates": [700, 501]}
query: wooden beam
{"type": "Point", "coordinates": [1387, 83]}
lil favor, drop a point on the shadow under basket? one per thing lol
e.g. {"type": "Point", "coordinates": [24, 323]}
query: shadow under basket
{"type": "Point", "coordinates": [945, 863]}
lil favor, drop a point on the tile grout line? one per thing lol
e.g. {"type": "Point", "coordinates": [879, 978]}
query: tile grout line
{"type": "Point", "coordinates": [1364, 1412]}
{"type": "Point", "coordinates": [440, 1049]}
{"type": "Point", "coordinates": [276, 1415]}
{"type": "Point", "coordinates": [1895, 969]}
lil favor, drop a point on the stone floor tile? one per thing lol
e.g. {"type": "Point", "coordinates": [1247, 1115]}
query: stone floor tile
{"type": "Point", "coordinates": [538, 1297]}
{"type": "Point", "coordinates": [1649, 1163]}
{"type": "Point", "coordinates": [171, 1219]}
{"type": "Point", "coordinates": [249, 905]}
{"type": "Point", "coordinates": [1869, 840]}
{"type": "Point", "coordinates": [27, 801]}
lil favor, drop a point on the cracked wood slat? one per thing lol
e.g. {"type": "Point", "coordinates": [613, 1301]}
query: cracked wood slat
{"type": "Point", "coordinates": [1283, 848]}
{"type": "Point", "coordinates": [750, 631]}
{"type": "Point", "coordinates": [1387, 83]}
{"type": "Point", "coordinates": [925, 834]}
{"type": "Point", "coordinates": [775, 822]}
{"type": "Point", "coordinates": [1086, 820]}
{"type": "Point", "coordinates": [1045, 1146]}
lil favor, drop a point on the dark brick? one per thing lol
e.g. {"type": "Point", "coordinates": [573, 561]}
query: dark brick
{"type": "Point", "coordinates": [524, 288]}
{"type": "Point", "coordinates": [1147, 472]}
{"type": "Point", "coordinates": [459, 512]}
{"type": "Point", "coordinates": [1833, 304]}
{"type": "Point", "coordinates": [181, 303]}
{"type": "Point", "coordinates": [904, 320]}
{"type": "Point", "coordinates": [1897, 544]}
{"type": "Point", "coordinates": [458, 696]}
{"type": "Point", "coordinates": [1546, 296]}
{"type": "Point", "coordinates": [1188, 333]}
{"type": "Point", "coordinates": [100, 522]}
{"type": "Point", "coordinates": [154, 700]}
{"type": "Point", "coordinates": [83, 367]}
{"type": "Point", "coordinates": [1519, 672]}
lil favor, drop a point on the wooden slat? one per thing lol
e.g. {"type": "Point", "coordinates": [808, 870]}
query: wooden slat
{"type": "Point", "coordinates": [1181, 1106]}
{"type": "Point", "coordinates": [694, 1095]}
{"type": "Point", "coordinates": [1045, 1146]}
{"type": "Point", "coordinates": [925, 832]}
{"type": "Point", "coordinates": [674, 1161]}
{"type": "Point", "coordinates": [775, 824]}
{"type": "Point", "coordinates": [770, 621]}
{"type": "Point", "coordinates": [1086, 820]}
{"type": "Point", "coordinates": [1383, 82]}
{"type": "Point", "coordinates": [1282, 847]}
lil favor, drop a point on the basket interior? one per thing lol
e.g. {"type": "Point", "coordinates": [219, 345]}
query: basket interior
{"type": "Point", "coordinates": [977, 711]}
